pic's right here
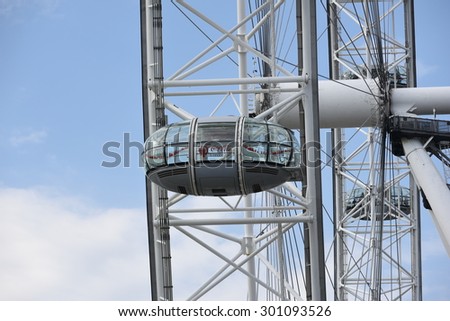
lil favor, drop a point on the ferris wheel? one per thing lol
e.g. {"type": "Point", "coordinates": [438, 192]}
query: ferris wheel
{"type": "Point", "coordinates": [234, 113]}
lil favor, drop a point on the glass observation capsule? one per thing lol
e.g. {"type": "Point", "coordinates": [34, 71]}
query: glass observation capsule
{"type": "Point", "coordinates": [397, 198]}
{"type": "Point", "coordinates": [221, 156]}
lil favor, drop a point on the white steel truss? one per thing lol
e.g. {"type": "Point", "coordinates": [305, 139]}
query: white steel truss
{"type": "Point", "coordinates": [377, 247]}
{"type": "Point", "coordinates": [264, 255]}
{"type": "Point", "coordinates": [262, 64]}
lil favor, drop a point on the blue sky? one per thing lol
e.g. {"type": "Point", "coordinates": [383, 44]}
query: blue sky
{"type": "Point", "coordinates": [69, 83]}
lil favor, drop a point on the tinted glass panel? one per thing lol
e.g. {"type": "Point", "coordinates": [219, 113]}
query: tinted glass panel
{"type": "Point", "coordinates": [279, 135]}
{"type": "Point", "coordinates": [216, 132]}
{"type": "Point", "coordinates": [279, 153]}
{"type": "Point", "coordinates": [177, 153]}
{"type": "Point", "coordinates": [215, 142]}
{"type": "Point", "coordinates": [157, 138]}
{"type": "Point", "coordinates": [155, 157]}
{"type": "Point", "coordinates": [255, 132]}
{"type": "Point", "coordinates": [254, 152]}
{"type": "Point", "coordinates": [214, 151]}
{"type": "Point", "coordinates": [178, 134]}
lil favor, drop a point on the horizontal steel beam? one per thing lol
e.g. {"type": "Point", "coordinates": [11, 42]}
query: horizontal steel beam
{"type": "Point", "coordinates": [232, 81]}
{"type": "Point", "coordinates": [238, 221]}
{"type": "Point", "coordinates": [235, 209]}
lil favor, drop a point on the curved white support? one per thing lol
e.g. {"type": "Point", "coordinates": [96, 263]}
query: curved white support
{"type": "Point", "coordinates": [433, 186]}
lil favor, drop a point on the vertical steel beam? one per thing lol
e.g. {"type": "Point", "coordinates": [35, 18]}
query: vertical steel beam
{"type": "Point", "coordinates": [344, 262]}
{"type": "Point", "coordinates": [154, 118]}
{"type": "Point", "coordinates": [312, 138]}
{"type": "Point", "coordinates": [410, 43]}
{"type": "Point", "coordinates": [242, 62]}
{"type": "Point", "coordinates": [145, 109]}
{"type": "Point", "coordinates": [411, 73]}
{"type": "Point", "coordinates": [337, 157]}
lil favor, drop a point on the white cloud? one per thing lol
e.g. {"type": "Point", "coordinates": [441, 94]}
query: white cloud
{"type": "Point", "coordinates": [59, 247]}
{"type": "Point", "coordinates": [54, 247]}
{"type": "Point", "coordinates": [29, 136]}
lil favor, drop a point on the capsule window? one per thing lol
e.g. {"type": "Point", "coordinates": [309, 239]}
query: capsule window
{"type": "Point", "coordinates": [258, 142]}
{"type": "Point", "coordinates": [255, 132]}
{"type": "Point", "coordinates": [254, 151]}
{"type": "Point", "coordinates": [254, 145]}
{"type": "Point", "coordinates": [279, 135]}
{"type": "Point", "coordinates": [215, 142]}
{"type": "Point", "coordinates": [155, 157]}
{"type": "Point", "coordinates": [154, 149]}
{"type": "Point", "coordinates": [279, 153]}
{"type": "Point", "coordinates": [280, 148]}
{"type": "Point", "coordinates": [177, 145]}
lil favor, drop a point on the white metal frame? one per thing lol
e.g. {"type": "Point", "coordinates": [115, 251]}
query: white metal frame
{"type": "Point", "coordinates": [254, 245]}
{"type": "Point", "coordinates": [375, 259]}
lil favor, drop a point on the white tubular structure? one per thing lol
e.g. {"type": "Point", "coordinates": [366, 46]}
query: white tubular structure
{"type": "Point", "coordinates": [356, 103]}
{"type": "Point", "coordinates": [343, 104]}
{"type": "Point", "coordinates": [421, 101]}
{"type": "Point", "coordinates": [433, 186]}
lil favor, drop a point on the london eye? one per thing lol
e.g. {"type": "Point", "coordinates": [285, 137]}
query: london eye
{"type": "Point", "coordinates": [244, 134]}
